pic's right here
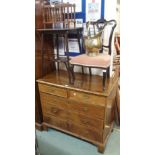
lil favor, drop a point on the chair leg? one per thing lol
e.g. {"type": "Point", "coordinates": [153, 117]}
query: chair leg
{"type": "Point", "coordinates": [72, 72]}
{"type": "Point", "coordinates": [90, 73]}
{"type": "Point", "coordinates": [108, 72]}
{"type": "Point", "coordinates": [104, 79]}
{"type": "Point", "coordinates": [68, 70]}
{"type": "Point", "coordinates": [82, 70]}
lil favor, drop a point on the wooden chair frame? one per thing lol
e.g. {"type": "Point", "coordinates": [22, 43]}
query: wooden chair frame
{"type": "Point", "coordinates": [106, 74]}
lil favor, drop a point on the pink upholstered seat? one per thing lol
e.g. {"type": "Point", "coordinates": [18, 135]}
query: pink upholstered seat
{"type": "Point", "coordinates": [102, 60]}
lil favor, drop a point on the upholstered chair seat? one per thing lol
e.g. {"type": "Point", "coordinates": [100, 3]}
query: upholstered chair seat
{"type": "Point", "coordinates": [100, 61]}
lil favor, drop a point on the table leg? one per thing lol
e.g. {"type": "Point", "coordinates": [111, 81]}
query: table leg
{"type": "Point", "coordinates": [69, 71]}
{"type": "Point", "coordinates": [67, 48]}
{"type": "Point", "coordinates": [72, 72]}
{"type": "Point", "coordinates": [67, 52]}
{"type": "Point", "coordinates": [42, 54]}
{"type": "Point", "coordinates": [78, 36]}
{"type": "Point", "coordinates": [57, 43]}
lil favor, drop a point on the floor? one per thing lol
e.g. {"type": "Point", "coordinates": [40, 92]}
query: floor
{"type": "Point", "coordinates": [57, 143]}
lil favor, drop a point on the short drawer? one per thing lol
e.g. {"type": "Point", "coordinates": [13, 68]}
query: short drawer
{"type": "Point", "coordinates": [86, 121]}
{"type": "Point", "coordinates": [56, 122]}
{"type": "Point", "coordinates": [55, 111]}
{"type": "Point", "coordinates": [88, 98]}
{"type": "Point", "coordinates": [52, 90]}
{"type": "Point", "coordinates": [84, 132]}
{"type": "Point", "coordinates": [49, 99]}
{"type": "Point", "coordinates": [94, 111]}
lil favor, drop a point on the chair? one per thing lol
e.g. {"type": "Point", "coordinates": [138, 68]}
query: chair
{"type": "Point", "coordinates": [61, 15]}
{"type": "Point", "coordinates": [59, 20]}
{"type": "Point", "coordinates": [101, 61]}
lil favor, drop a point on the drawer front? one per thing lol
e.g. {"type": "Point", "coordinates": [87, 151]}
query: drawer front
{"type": "Point", "coordinates": [59, 102]}
{"type": "Point", "coordinates": [54, 111]}
{"type": "Point", "coordinates": [88, 98]}
{"type": "Point", "coordinates": [56, 122]}
{"type": "Point", "coordinates": [75, 129]}
{"type": "Point", "coordinates": [86, 121]}
{"type": "Point", "coordinates": [52, 90]}
{"type": "Point", "coordinates": [93, 111]}
{"type": "Point", "coordinates": [85, 132]}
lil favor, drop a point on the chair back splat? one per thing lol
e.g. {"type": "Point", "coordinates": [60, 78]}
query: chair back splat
{"type": "Point", "coordinates": [113, 26]}
{"type": "Point", "coordinates": [102, 25]}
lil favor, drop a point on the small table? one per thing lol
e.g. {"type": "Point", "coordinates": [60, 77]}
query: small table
{"type": "Point", "coordinates": [57, 32]}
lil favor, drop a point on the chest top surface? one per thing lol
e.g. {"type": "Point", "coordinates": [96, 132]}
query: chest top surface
{"type": "Point", "coordinates": [83, 83]}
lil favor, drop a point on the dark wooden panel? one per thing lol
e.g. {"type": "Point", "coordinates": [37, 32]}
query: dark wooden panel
{"type": "Point", "coordinates": [48, 55]}
{"type": "Point", "coordinates": [38, 14]}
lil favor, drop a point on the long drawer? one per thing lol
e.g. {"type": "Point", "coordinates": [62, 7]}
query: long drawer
{"type": "Point", "coordinates": [52, 90]}
{"type": "Point", "coordinates": [90, 110]}
{"type": "Point", "coordinates": [86, 121]}
{"type": "Point", "coordinates": [93, 111]}
{"type": "Point", "coordinates": [83, 120]}
{"type": "Point", "coordinates": [86, 132]}
{"type": "Point", "coordinates": [81, 131]}
{"type": "Point", "coordinates": [88, 98]}
{"type": "Point", "coordinates": [56, 122]}
{"type": "Point", "coordinates": [55, 111]}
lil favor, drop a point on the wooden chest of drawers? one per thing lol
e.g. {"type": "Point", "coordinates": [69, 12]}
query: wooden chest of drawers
{"type": "Point", "coordinates": [84, 111]}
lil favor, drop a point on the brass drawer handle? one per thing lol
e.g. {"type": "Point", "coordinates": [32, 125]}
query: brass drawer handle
{"type": "Point", "coordinates": [86, 97]}
{"type": "Point", "coordinates": [85, 109]}
{"type": "Point", "coordinates": [85, 121]}
{"type": "Point", "coordinates": [51, 89]}
{"type": "Point", "coordinates": [54, 110]}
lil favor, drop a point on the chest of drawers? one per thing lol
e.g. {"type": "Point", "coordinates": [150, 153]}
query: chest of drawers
{"type": "Point", "coordinates": [82, 110]}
